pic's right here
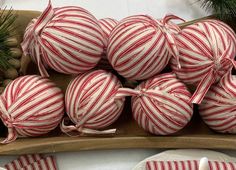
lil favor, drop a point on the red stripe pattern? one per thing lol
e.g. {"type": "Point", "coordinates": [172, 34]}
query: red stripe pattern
{"type": "Point", "coordinates": [92, 103]}
{"type": "Point", "coordinates": [162, 106]}
{"type": "Point", "coordinates": [107, 25]}
{"type": "Point", "coordinates": [188, 165]}
{"type": "Point", "coordinates": [218, 107]}
{"type": "Point", "coordinates": [68, 40]}
{"type": "Point", "coordinates": [32, 162]}
{"type": "Point", "coordinates": [31, 106]}
{"type": "Point", "coordinates": [206, 53]}
{"type": "Point", "coordinates": [139, 46]}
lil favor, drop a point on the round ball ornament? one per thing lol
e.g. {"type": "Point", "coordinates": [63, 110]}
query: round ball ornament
{"type": "Point", "coordinates": [93, 101]}
{"type": "Point", "coordinates": [140, 46]}
{"type": "Point", "coordinates": [68, 39]}
{"type": "Point", "coordinates": [31, 106]}
{"type": "Point", "coordinates": [161, 105]}
{"type": "Point", "coordinates": [107, 25]}
{"type": "Point", "coordinates": [206, 53]}
{"type": "Point", "coordinates": [218, 107]}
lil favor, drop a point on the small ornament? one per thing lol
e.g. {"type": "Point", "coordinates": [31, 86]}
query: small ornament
{"type": "Point", "coordinates": [107, 25]}
{"type": "Point", "coordinates": [140, 46]}
{"type": "Point", "coordinates": [67, 39]}
{"type": "Point", "coordinates": [93, 102]}
{"type": "Point", "coordinates": [31, 106]}
{"type": "Point", "coordinates": [206, 53]}
{"type": "Point", "coordinates": [218, 107]}
{"type": "Point", "coordinates": [161, 105]}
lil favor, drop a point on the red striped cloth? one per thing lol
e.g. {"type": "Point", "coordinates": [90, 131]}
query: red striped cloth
{"type": "Point", "coordinates": [162, 105]}
{"type": "Point", "coordinates": [67, 39]}
{"type": "Point", "coordinates": [188, 165]}
{"type": "Point", "coordinates": [206, 53]}
{"type": "Point", "coordinates": [218, 107]}
{"type": "Point", "coordinates": [31, 106]}
{"type": "Point", "coordinates": [140, 46]}
{"type": "Point", "coordinates": [22, 161]}
{"type": "Point", "coordinates": [107, 25]}
{"type": "Point", "coordinates": [92, 103]}
{"type": "Point", "coordinates": [32, 162]}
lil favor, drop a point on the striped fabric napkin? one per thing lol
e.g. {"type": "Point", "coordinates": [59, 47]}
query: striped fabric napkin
{"type": "Point", "coordinates": [189, 165]}
{"type": "Point", "coordinates": [32, 162]}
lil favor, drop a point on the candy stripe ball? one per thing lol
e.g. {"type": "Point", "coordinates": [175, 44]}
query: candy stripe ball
{"type": "Point", "coordinates": [207, 50]}
{"type": "Point", "coordinates": [162, 106]}
{"type": "Point", "coordinates": [68, 39]}
{"type": "Point", "coordinates": [31, 106]}
{"type": "Point", "coordinates": [91, 101]}
{"type": "Point", "coordinates": [218, 108]}
{"type": "Point", "coordinates": [138, 48]}
{"type": "Point", "coordinates": [107, 25]}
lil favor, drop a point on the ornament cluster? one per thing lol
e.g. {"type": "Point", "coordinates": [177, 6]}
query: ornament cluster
{"type": "Point", "coordinates": [70, 40]}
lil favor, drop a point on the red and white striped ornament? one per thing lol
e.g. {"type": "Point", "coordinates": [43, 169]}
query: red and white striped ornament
{"type": "Point", "coordinates": [206, 53]}
{"type": "Point", "coordinates": [162, 106]}
{"type": "Point", "coordinates": [189, 165]}
{"type": "Point", "coordinates": [67, 39]}
{"type": "Point", "coordinates": [92, 102]}
{"type": "Point", "coordinates": [31, 106]}
{"type": "Point", "coordinates": [107, 25]}
{"type": "Point", "coordinates": [140, 46]}
{"type": "Point", "coordinates": [218, 107]}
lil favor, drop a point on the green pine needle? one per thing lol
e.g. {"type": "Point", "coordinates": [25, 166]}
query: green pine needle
{"type": "Point", "coordinates": [7, 18]}
{"type": "Point", "coordinates": [223, 9]}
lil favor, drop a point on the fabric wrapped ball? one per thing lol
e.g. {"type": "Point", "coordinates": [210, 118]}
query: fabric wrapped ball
{"type": "Point", "coordinates": [140, 46]}
{"type": "Point", "coordinates": [31, 106]}
{"type": "Point", "coordinates": [93, 102]}
{"type": "Point", "coordinates": [107, 25]}
{"type": "Point", "coordinates": [67, 39]}
{"type": "Point", "coordinates": [206, 53]}
{"type": "Point", "coordinates": [162, 106]}
{"type": "Point", "coordinates": [218, 107]}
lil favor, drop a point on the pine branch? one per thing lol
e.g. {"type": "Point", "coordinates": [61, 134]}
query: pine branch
{"type": "Point", "coordinates": [223, 9]}
{"type": "Point", "coordinates": [7, 19]}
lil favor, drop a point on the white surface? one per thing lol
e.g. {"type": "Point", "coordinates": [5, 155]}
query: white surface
{"type": "Point", "coordinates": [186, 154]}
{"type": "Point", "coordinates": [118, 9]}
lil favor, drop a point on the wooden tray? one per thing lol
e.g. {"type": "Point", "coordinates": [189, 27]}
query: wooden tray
{"type": "Point", "coordinates": [129, 135]}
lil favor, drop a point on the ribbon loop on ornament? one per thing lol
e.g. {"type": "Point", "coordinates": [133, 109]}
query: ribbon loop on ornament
{"type": "Point", "coordinates": [170, 36]}
{"type": "Point", "coordinates": [203, 87]}
{"type": "Point", "coordinates": [69, 128]}
{"type": "Point", "coordinates": [33, 35]}
{"type": "Point", "coordinates": [8, 122]}
{"type": "Point", "coordinates": [43, 19]}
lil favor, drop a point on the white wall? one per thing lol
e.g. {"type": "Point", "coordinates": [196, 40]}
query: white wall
{"type": "Point", "coordinates": [118, 9]}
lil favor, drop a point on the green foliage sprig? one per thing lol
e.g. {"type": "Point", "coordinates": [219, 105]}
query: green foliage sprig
{"type": "Point", "coordinates": [7, 19]}
{"type": "Point", "coordinates": [223, 9]}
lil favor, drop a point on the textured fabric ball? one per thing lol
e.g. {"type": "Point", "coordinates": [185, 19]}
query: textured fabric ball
{"type": "Point", "coordinates": [140, 47]}
{"type": "Point", "coordinates": [92, 102]}
{"type": "Point", "coordinates": [218, 107]}
{"type": "Point", "coordinates": [31, 106]}
{"type": "Point", "coordinates": [67, 39]}
{"type": "Point", "coordinates": [107, 25]}
{"type": "Point", "coordinates": [162, 105]}
{"type": "Point", "coordinates": [206, 53]}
